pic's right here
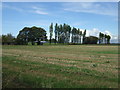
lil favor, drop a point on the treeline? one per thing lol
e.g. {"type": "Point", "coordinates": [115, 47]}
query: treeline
{"type": "Point", "coordinates": [62, 34]}
{"type": "Point", "coordinates": [26, 35]}
{"type": "Point", "coordinates": [8, 39]}
{"type": "Point", "coordinates": [103, 38]}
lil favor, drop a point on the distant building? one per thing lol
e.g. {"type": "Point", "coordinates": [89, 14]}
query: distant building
{"type": "Point", "coordinates": [40, 42]}
{"type": "Point", "coordinates": [43, 41]}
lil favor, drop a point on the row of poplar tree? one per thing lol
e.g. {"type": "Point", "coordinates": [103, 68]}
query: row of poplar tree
{"type": "Point", "coordinates": [64, 32]}
{"type": "Point", "coordinates": [104, 38]}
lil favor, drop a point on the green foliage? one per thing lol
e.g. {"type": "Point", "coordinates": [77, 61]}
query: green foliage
{"type": "Point", "coordinates": [8, 39]}
{"type": "Point", "coordinates": [90, 40]}
{"type": "Point", "coordinates": [56, 32]}
{"type": "Point", "coordinates": [103, 38]}
{"type": "Point", "coordinates": [51, 31]}
{"type": "Point", "coordinates": [31, 35]}
{"type": "Point", "coordinates": [84, 34]}
{"type": "Point", "coordinates": [64, 32]}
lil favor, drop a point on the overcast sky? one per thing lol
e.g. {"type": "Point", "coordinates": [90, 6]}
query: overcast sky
{"type": "Point", "coordinates": [93, 16]}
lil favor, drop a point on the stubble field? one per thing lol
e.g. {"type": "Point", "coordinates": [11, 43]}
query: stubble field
{"type": "Point", "coordinates": [60, 66]}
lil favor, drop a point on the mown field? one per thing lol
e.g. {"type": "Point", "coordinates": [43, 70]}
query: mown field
{"type": "Point", "coordinates": [60, 66]}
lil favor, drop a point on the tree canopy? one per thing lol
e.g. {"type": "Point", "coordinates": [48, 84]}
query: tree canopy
{"type": "Point", "coordinates": [8, 39]}
{"type": "Point", "coordinates": [32, 34]}
{"type": "Point", "coordinates": [66, 34]}
{"type": "Point", "coordinates": [63, 33]}
{"type": "Point", "coordinates": [104, 38]}
{"type": "Point", "coordinates": [90, 40]}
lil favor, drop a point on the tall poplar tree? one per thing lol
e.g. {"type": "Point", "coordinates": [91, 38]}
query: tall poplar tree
{"type": "Point", "coordinates": [56, 32]}
{"type": "Point", "coordinates": [51, 31]}
{"type": "Point", "coordinates": [84, 35]}
{"type": "Point", "coordinates": [108, 39]}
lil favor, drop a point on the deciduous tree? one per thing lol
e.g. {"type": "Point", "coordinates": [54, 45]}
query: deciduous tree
{"type": "Point", "coordinates": [51, 31]}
